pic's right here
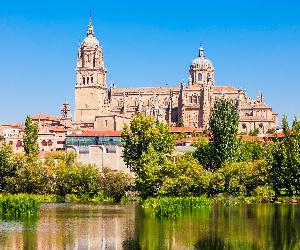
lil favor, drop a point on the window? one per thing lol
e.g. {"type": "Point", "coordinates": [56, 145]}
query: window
{"type": "Point", "coordinates": [244, 126]}
{"type": "Point", "coordinates": [92, 79]}
{"type": "Point", "coordinates": [83, 80]}
{"type": "Point", "coordinates": [44, 143]}
{"type": "Point", "coordinates": [19, 143]}
{"type": "Point", "coordinates": [199, 77]}
{"type": "Point", "coordinates": [195, 99]}
{"type": "Point", "coordinates": [191, 99]}
{"type": "Point", "coordinates": [261, 125]}
{"type": "Point", "coordinates": [87, 80]}
{"type": "Point", "coordinates": [105, 123]}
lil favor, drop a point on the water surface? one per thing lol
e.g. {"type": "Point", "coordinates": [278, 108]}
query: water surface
{"type": "Point", "coordinates": [77, 226]}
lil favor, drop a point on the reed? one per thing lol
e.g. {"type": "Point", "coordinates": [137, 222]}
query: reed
{"type": "Point", "coordinates": [19, 205]}
{"type": "Point", "coordinates": [174, 206]}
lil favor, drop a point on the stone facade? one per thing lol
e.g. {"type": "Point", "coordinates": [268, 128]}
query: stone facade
{"type": "Point", "coordinates": [101, 108]}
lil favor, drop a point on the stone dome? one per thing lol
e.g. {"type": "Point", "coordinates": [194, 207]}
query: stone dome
{"type": "Point", "coordinates": [201, 61]}
{"type": "Point", "coordinates": [90, 40]}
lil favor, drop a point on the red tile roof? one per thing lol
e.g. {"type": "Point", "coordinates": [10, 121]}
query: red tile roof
{"type": "Point", "coordinates": [96, 133]}
{"type": "Point", "coordinates": [184, 130]}
{"type": "Point", "coordinates": [190, 139]}
{"type": "Point", "coordinates": [45, 117]}
{"type": "Point", "coordinates": [57, 128]}
{"type": "Point", "coordinates": [251, 138]}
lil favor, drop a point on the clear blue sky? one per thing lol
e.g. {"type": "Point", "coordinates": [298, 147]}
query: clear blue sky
{"type": "Point", "coordinates": [254, 45]}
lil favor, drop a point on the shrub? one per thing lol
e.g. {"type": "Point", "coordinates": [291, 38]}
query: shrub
{"type": "Point", "coordinates": [186, 178]}
{"type": "Point", "coordinates": [264, 194]}
{"type": "Point", "coordinates": [30, 178]}
{"type": "Point", "coordinates": [115, 184]}
{"type": "Point", "coordinates": [240, 178]}
{"type": "Point", "coordinates": [54, 158]}
{"type": "Point", "coordinates": [80, 180]}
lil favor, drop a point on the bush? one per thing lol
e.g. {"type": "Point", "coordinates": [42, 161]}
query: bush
{"type": "Point", "coordinates": [54, 158]}
{"type": "Point", "coordinates": [186, 178]}
{"type": "Point", "coordinates": [115, 184]}
{"type": "Point", "coordinates": [80, 180]}
{"type": "Point", "coordinates": [31, 178]}
{"type": "Point", "coordinates": [241, 178]}
{"type": "Point", "coordinates": [264, 194]}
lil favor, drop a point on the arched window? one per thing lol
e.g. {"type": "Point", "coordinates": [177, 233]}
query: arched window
{"type": "Point", "coordinates": [244, 126]}
{"type": "Point", "coordinates": [44, 143]}
{"type": "Point", "coordinates": [199, 77]}
{"type": "Point", "coordinates": [87, 80]}
{"type": "Point", "coordinates": [50, 143]}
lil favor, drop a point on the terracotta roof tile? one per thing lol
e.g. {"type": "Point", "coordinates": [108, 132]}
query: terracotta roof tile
{"type": "Point", "coordinates": [95, 133]}
{"type": "Point", "coordinates": [190, 139]}
{"type": "Point", "coordinates": [45, 117]}
{"type": "Point", "coordinates": [184, 130]}
{"type": "Point", "coordinates": [57, 128]}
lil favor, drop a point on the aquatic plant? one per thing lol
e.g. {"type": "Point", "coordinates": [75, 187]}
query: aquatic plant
{"type": "Point", "coordinates": [19, 205]}
{"type": "Point", "coordinates": [174, 206]}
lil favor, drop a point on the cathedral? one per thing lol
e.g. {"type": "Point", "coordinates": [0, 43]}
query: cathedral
{"type": "Point", "coordinates": [98, 107]}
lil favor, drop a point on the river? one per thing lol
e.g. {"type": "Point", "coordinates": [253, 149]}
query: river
{"type": "Point", "coordinates": [90, 226]}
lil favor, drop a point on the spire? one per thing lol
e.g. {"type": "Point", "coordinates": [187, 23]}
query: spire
{"type": "Point", "coordinates": [90, 27]}
{"type": "Point", "coordinates": [201, 51]}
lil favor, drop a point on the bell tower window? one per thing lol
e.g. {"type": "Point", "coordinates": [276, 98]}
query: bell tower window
{"type": "Point", "coordinates": [195, 99]}
{"type": "Point", "coordinates": [199, 77]}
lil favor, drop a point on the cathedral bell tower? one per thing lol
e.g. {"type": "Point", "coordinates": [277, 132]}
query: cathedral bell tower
{"type": "Point", "coordinates": [196, 99]}
{"type": "Point", "coordinates": [90, 88]}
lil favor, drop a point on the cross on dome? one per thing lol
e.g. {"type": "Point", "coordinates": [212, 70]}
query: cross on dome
{"type": "Point", "coordinates": [90, 27]}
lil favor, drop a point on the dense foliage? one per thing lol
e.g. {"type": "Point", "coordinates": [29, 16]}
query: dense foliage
{"type": "Point", "coordinates": [147, 142]}
{"type": "Point", "coordinates": [223, 127]}
{"type": "Point", "coordinates": [284, 161]}
{"type": "Point", "coordinates": [30, 139]}
{"type": "Point", "coordinates": [223, 165]}
{"type": "Point", "coordinates": [143, 132]}
{"type": "Point", "coordinates": [60, 175]}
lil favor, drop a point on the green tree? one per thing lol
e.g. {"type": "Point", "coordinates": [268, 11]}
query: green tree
{"type": "Point", "coordinates": [223, 127]}
{"type": "Point", "coordinates": [30, 140]}
{"type": "Point", "coordinates": [7, 167]}
{"type": "Point", "coordinates": [143, 132]}
{"type": "Point", "coordinates": [115, 184]}
{"type": "Point", "coordinates": [285, 161]}
{"type": "Point", "coordinates": [203, 152]}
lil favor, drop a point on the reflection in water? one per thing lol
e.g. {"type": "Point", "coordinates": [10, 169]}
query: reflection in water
{"type": "Point", "coordinates": [77, 226]}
